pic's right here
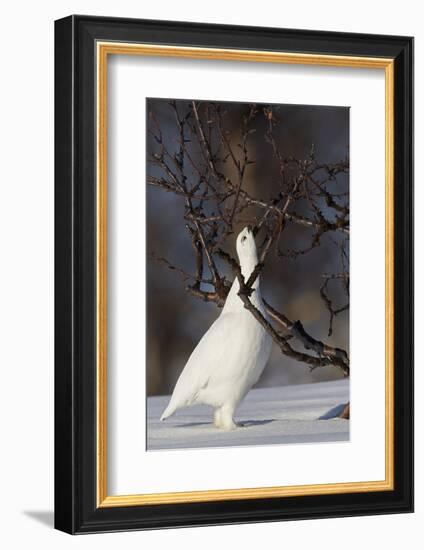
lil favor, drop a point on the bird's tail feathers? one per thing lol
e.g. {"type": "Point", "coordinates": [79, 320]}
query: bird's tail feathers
{"type": "Point", "coordinates": [169, 411]}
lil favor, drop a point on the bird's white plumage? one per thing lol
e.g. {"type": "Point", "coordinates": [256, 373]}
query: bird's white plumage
{"type": "Point", "coordinates": [231, 355]}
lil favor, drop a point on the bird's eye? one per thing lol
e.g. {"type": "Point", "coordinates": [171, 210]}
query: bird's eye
{"type": "Point", "coordinates": [243, 239]}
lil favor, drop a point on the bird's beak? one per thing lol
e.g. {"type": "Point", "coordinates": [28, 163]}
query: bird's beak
{"type": "Point", "coordinates": [249, 229]}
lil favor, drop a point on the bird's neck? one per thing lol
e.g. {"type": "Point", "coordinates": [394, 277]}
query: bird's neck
{"type": "Point", "coordinates": [234, 302]}
{"type": "Point", "coordinates": [247, 267]}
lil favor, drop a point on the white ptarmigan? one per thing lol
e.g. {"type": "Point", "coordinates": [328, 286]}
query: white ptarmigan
{"type": "Point", "coordinates": [231, 355]}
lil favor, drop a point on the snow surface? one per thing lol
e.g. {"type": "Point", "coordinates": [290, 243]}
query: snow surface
{"type": "Point", "coordinates": [287, 414]}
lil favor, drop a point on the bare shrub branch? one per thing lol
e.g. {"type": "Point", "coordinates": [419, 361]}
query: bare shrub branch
{"type": "Point", "coordinates": [205, 162]}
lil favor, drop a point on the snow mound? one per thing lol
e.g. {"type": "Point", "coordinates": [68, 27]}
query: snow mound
{"type": "Point", "coordinates": [281, 415]}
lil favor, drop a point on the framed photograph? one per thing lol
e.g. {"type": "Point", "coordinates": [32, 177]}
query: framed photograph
{"type": "Point", "coordinates": [234, 274]}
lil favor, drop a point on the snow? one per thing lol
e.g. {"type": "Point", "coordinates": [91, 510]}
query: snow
{"type": "Point", "coordinates": [288, 414]}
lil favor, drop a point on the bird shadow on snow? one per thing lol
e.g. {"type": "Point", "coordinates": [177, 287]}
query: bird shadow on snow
{"type": "Point", "coordinates": [242, 424]}
{"type": "Point", "coordinates": [249, 423]}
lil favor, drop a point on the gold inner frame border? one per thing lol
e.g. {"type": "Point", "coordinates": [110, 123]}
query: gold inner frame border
{"type": "Point", "coordinates": [103, 50]}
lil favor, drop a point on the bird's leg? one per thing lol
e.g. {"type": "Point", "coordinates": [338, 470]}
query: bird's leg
{"type": "Point", "coordinates": [223, 418]}
{"type": "Point", "coordinates": [217, 418]}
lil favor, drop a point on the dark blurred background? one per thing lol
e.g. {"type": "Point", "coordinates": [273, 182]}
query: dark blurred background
{"type": "Point", "coordinates": [176, 320]}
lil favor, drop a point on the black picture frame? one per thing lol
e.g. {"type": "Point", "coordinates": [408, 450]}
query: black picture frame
{"type": "Point", "coordinates": [76, 509]}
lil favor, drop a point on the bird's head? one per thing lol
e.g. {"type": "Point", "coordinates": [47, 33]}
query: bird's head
{"type": "Point", "coordinates": [246, 248]}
